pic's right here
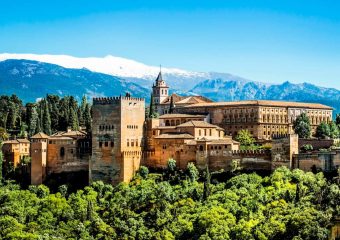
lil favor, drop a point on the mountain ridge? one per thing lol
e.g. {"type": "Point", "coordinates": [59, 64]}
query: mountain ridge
{"type": "Point", "coordinates": [31, 79]}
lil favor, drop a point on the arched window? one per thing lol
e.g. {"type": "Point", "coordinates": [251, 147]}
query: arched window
{"type": "Point", "coordinates": [201, 148]}
{"type": "Point", "coordinates": [62, 152]}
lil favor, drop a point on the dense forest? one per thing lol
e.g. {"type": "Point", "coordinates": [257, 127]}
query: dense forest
{"type": "Point", "coordinates": [176, 205]}
{"type": "Point", "coordinates": [49, 115]}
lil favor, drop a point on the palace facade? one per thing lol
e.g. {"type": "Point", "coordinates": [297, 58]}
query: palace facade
{"type": "Point", "coordinates": [262, 118]}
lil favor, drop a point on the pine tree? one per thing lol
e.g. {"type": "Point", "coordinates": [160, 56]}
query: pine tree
{"type": "Point", "coordinates": [46, 121]}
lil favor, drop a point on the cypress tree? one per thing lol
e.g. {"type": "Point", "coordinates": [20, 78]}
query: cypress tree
{"type": "Point", "coordinates": [172, 105]}
{"type": "Point", "coordinates": [1, 162]}
{"type": "Point", "coordinates": [87, 117]}
{"type": "Point", "coordinates": [38, 127]}
{"type": "Point", "coordinates": [46, 121]}
{"type": "Point", "coordinates": [206, 187]}
{"type": "Point", "coordinates": [80, 116]}
{"type": "Point", "coordinates": [73, 122]}
{"type": "Point", "coordinates": [53, 102]}
{"type": "Point", "coordinates": [152, 111]}
{"type": "Point", "coordinates": [83, 104]}
{"type": "Point", "coordinates": [31, 118]}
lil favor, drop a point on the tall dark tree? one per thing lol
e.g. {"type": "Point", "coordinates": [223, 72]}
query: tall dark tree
{"type": "Point", "coordinates": [172, 105]}
{"type": "Point", "coordinates": [207, 182]}
{"type": "Point", "coordinates": [31, 118]}
{"type": "Point", "coordinates": [38, 127]}
{"type": "Point", "coordinates": [337, 119]}
{"type": "Point", "coordinates": [152, 112]}
{"type": "Point", "coordinates": [53, 105]}
{"type": "Point", "coordinates": [1, 161]}
{"type": "Point", "coordinates": [80, 116]}
{"type": "Point", "coordinates": [46, 120]}
{"type": "Point", "coordinates": [73, 122]}
{"type": "Point", "coordinates": [87, 117]}
{"type": "Point", "coordinates": [302, 126]}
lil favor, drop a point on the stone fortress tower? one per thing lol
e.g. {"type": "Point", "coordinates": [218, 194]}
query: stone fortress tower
{"type": "Point", "coordinates": [117, 138]}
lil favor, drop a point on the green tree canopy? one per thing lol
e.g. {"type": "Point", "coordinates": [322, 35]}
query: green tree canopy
{"type": "Point", "coordinates": [323, 130]}
{"type": "Point", "coordinates": [302, 126]}
{"type": "Point", "coordinates": [245, 138]}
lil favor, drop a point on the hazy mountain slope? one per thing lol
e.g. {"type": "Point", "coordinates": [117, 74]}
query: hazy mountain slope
{"type": "Point", "coordinates": [31, 80]}
{"type": "Point", "coordinates": [231, 90]}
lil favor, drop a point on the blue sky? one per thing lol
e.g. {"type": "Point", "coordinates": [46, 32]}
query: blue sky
{"type": "Point", "coordinates": [269, 41]}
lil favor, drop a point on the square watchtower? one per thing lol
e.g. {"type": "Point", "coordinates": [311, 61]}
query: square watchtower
{"type": "Point", "coordinates": [117, 138]}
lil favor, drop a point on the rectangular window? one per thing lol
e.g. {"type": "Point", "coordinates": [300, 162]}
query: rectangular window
{"type": "Point", "coordinates": [100, 144]}
{"type": "Point", "coordinates": [127, 143]}
{"type": "Point", "coordinates": [106, 144]}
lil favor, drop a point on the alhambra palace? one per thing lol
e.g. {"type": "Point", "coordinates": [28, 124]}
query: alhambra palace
{"type": "Point", "coordinates": [189, 129]}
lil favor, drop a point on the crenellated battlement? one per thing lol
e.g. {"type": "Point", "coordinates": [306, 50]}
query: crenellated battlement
{"type": "Point", "coordinates": [259, 152]}
{"type": "Point", "coordinates": [131, 153]}
{"type": "Point", "coordinates": [114, 100]}
{"type": "Point", "coordinates": [280, 136]}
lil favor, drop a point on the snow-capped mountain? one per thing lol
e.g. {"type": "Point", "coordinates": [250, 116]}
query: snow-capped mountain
{"type": "Point", "coordinates": [109, 76]}
{"type": "Point", "coordinates": [119, 67]}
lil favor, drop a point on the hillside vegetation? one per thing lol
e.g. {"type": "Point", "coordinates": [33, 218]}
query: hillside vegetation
{"type": "Point", "coordinates": [285, 205]}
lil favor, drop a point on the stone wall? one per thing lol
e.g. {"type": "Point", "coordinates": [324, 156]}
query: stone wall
{"type": "Point", "coordinates": [316, 143]}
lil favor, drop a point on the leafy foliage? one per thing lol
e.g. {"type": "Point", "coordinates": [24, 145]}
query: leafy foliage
{"type": "Point", "coordinates": [245, 138]}
{"type": "Point", "coordinates": [302, 126]}
{"type": "Point", "coordinates": [323, 130]}
{"type": "Point", "coordinates": [286, 205]}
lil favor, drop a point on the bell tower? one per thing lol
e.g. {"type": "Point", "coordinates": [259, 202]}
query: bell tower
{"type": "Point", "coordinates": [160, 90]}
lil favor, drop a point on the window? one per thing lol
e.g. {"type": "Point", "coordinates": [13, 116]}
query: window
{"type": "Point", "coordinates": [210, 132]}
{"type": "Point", "coordinates": [106, 144]}
{"type": "Point", "coordinates": [62, 152]}
{"type": "Point", "coordinates": [112, 144]}
{"type": "Point", "coordinates": [127, 143]}
{"type": "Point", "coordinates": [100, 144]}
{"type": "Point", "coordinates": [199, 132]}
{"type": "Point", "coordinates": [205, 132]}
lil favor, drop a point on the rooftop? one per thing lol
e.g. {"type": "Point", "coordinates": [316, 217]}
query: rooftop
{"type": "Point", "coordinates": [263, 103]}
{"type": "Point", "coordinates": [178, 115]}
{"type": "Point", "coordinates": [16, 141]}
{"type": "Point", "coordinates": [201, 124]}
{"type": "Point", "coordinates": [175, 136]}
{"type": "Point", "coordinates": [40, 135]}
{"type": "Point", "coordinates": [184, 100]}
